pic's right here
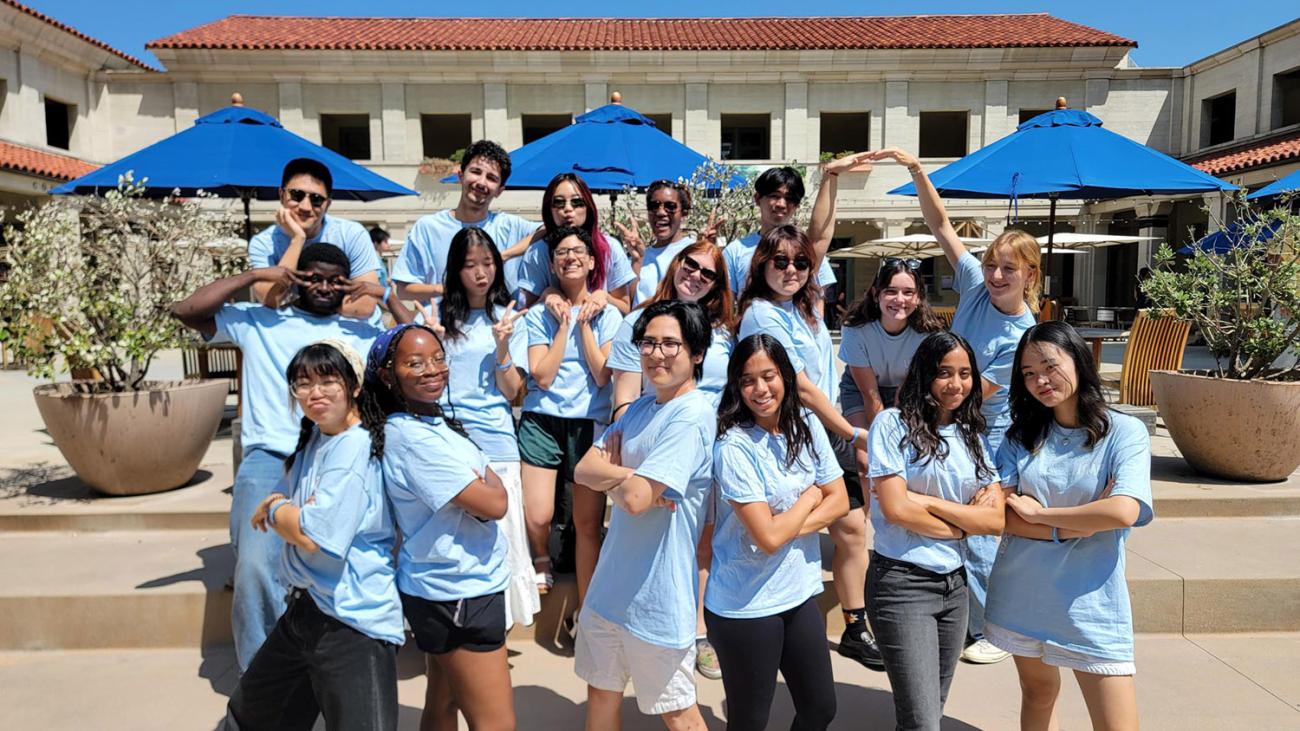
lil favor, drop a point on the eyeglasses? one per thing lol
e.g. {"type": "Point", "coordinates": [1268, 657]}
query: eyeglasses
{"type": "Point", "coordinates": [693, 267]}
{"type": "Point", "coordinates": [670, 207]}
{"type": "Point", "coordinates": [575, 203]}
{"type": "Point", "coordinates": [894, 261]}
{"type": "Point", "coordinates": [328, 387]}
{"type": "Point", "coordinates": [418, 366]}
{"type": "Point", "coordinates": [296, 195]}
{"type": "Point", "coordinates": [569, 251]}
{"type": "Point", "coordinates": [801, 263]}
{"type": "Point", "coordinates": [669, 348]}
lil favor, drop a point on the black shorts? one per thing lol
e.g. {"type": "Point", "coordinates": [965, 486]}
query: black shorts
{"type": "Point", "coordinates": [477, 624]}
{"type": "Point", "coordinates": [849, 463]}
{"type": "Point", "coordinates": [554, 442]}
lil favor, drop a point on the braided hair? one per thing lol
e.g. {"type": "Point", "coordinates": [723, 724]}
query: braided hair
{"type": "Point", "coordinates": [325, 361]}
{"type": "Point", "coordinates": [389, 400]}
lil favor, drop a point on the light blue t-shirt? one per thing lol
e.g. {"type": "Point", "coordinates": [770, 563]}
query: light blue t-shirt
{"type": "Point", "coordinates": [809, 346]}
{"type": "Point", "coordinates": [424, 255]}
{"type": "Point", "coordinates": [654, 265]}
{"type": "Point", "coordinates": [446, 553]}
{"type": "Point", "coordinates": [573, 393]}
{"type": "Point", "coordinates": [535, 273]}
{"type": "Point", "coordinates": [954, 479]}
{"type": "Point", "coordinates": [472, 384]}
{"type": "Point", "coordinates": [739, 253]}
{"type": "Point", "coordinates": [351, 578]}
{"type": "Point", "coordinates": [624, 355]}
{"type": "Point", "coordinates": [645, 580]}
{"type": "Point", "coordinates": [993, 336]}
{"type": "Point", "coordinates": [870, 345]}
{"type": "Point", "coordinates": [749, 467]}
{"type": "Point", "coordinates": [269, 339]}
{"type": "Point", "coordinates": [269, 244]}
{"type": "Point", "coordinates": [1072, 594]}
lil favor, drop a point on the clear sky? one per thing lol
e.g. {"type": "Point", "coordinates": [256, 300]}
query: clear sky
{"type": "Point", "coordinates": [1168, 32]}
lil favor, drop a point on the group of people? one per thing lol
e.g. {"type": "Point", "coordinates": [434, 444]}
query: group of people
{"type": "Point", "coordinates": [387, 487]}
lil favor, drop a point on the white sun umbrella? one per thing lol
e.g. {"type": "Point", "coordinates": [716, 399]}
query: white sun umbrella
{"type": "Point", "coordinates": [1065, 240]}
{"type": "Point", "coordinates": [1065, 251]}
{"type": "Point", "coordinates": [916, 246]}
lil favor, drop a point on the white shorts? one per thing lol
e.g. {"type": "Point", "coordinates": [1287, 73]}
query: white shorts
{"type": "Point", "coordinates": [1026, 646]}
{"type": "Point", "coordinates": [606, 656]}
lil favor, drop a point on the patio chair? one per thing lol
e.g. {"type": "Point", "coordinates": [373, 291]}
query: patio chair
{"type": "Point", "coordinates": [1153, 345]}
{"type": "Point", "coordinates": [945, 315]}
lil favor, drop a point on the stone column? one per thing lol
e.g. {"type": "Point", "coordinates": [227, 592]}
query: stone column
{"type": "Point", "coordinates": [185, 101]}
{"type": "Point", "coordinates": [597, 93]}
{"type": "Point", "coordinates": [798, 143]}
{"type": "Point", "coordinates": [997, 124]}
{"type": "Point", "coordinates": [291, 113]}
{"type": "Point", "coordinates": [495, 115]}
{"type": "Point", "coordinates": [699, 133]}
{"type": "Point", "coordinates": [393, 126]}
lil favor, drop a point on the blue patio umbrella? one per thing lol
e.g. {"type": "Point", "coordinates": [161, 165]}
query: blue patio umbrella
{"type": "Point", "coordinates": [611, 148]}
{"type": "Point", "coordinates": [1290, 183]}
{"type": "Point", "coordinates": [235, 152]}
{"type": "Point", "coordinates": [1228, 238]}
{"type": "Point", "coordinates": [1066, 154]}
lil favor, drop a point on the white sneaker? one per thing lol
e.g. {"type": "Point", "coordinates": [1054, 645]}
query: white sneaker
{"type": "Point", "coordinates": [983, 652]}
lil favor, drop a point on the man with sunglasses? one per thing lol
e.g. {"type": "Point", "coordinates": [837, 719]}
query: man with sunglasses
{"type": "Point", "coordinates": [305, 189]}
{"type": "Point", "coordinates": [269, 338]}
{"type": "Point", "coordinates": [485, 168]}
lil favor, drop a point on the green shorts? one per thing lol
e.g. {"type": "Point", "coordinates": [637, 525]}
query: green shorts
{"type": "Point", "coordinates": [554, 442]}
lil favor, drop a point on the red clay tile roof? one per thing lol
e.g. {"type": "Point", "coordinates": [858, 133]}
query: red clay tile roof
{"type": "Point", "coordinates": [19, 158]}
{"type": "Point", "coordinates": [69, 29]}
{"type": "Point", "coordinates": [245, 32]}
{"type": "Point", "coordinates": [1263, 152]}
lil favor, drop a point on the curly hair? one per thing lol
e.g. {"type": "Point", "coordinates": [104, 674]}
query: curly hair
{"type": "Point", "coordinates": [920, 412]}
{"type": "Point", "coordinates": [325, 361]}
{"type": "Point", "coordinates": [1030, 419]}
{"type": "Point", "coordinates": [488, 150]}
{"type": "Point", "coordinates": [867, 309]}
{"type": "Point", "coordinates": [791, 421]}
{"type": "Point", "coordinates": [390, 400]}
{"type": "Point", "coordinates": [756, 286]}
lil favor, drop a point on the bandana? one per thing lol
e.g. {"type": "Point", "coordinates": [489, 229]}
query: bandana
{"type": "Point", "coordinates": [375, 360]}
{"type": "Point", "coordinates": [349, 353]}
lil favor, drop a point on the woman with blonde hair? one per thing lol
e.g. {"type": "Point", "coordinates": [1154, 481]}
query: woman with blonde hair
{"type": "Point", "coordinates": [999, 293]}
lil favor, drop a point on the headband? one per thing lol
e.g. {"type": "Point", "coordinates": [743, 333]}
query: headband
{"type": "Point", "coordinates": [349, 353]}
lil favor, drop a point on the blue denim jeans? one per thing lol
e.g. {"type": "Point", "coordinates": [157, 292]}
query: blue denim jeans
{"type": "Point", "coordinates": [979, 556]}
{"type": "Point", "coordinates": [919, 618]}
{"type": "Point", "coordinates": [259, 594]}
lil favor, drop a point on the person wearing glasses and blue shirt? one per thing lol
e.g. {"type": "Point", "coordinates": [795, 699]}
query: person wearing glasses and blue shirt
{"type": "Point", "coordinates": [306, 186]}
{"type": "Point", "coordinates": [666, 204]}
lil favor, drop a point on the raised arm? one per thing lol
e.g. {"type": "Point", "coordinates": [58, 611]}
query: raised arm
{"type": "Point", "coordinates": [508, 377]}
{"type": "Point", "coordinates": [936, 216]}
{"type": "Point", "coordinates": [199, 310]}
{"type": "Point", "coordinates": [821, 227]}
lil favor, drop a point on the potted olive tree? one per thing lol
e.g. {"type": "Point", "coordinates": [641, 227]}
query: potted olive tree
{"type": "Point", "coordinates": [89, 287]}
{"type": "Point", "coordinates": [1240, 420]}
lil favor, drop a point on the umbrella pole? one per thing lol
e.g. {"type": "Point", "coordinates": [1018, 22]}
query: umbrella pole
{"type": "Point", "coordinates": [1051, 234]}
{"type": "Point", "coordinates": [248, 218]}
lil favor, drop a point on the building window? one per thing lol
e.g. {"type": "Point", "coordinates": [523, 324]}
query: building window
{"type": "Point", "coordinates": [444, 134]}
{"type": "Point", "coordinates": [746, 136]}
{"type": "Point", "coordinates": [346, 134]}
{"type": "Point", "coordinates": [845, 132]}
{"type": "Point", "coordinates": [663, 122]}
{"type": "Point", "coordinates": [1218, 119]}
{"type": "Point", "coordinates": [537, 126]}
{"type": "Point", "coordinates": [1286, 98]}
{"type": "Point", "coordinates": [1028, 114]}
{"type": "Point", "coordinates": [943, 134]}
{"type": "Point", "coordinates": [59, 118]}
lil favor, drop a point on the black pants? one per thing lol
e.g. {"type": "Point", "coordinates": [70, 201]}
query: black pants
{"type": "Point", "coordinates": [750, 652]}
{"type": "Point", "coordinates": [312, 663]}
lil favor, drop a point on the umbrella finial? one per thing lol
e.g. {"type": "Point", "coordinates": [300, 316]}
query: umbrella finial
{"type": "Point", "coordinates": [237, 100]}
{"type": "Point", "coordinates": [616, 98]}
{"type": "Point", "coordinates": [1060, 103]}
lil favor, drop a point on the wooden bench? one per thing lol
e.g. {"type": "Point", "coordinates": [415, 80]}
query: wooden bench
{"type": "Point", "coordinates": [945, 315]}
{"type": "Point", "coordinates": [1155, 344]}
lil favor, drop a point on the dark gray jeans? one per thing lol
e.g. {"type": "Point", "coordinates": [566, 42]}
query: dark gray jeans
{"type": "Point", "coordinates": [310, 664]}
{"type": "Point", "coordinates": [919, 618]}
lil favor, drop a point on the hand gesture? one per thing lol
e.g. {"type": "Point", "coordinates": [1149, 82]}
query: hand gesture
{"type": "Point", "coordinates": [665, 503]}
{"type": "Point", "coordinates": [906, 159]}
{"type": "Point", "coordinates": [505, 327]}
{"type": "Point", "coordinates": [633, 244]}
{"type": "Point", "coordinates": [261, 518]}
{"type": "Point", "coordinates": [430, 315]}
{"type": "Point", "coordinates": [556, 304]}
{"type": "Point", "coordinates": [594, 305]}
{"type": "Point", "coordinates": [355, 289]}
{"type": "Point", "coordinates": [711, 226]}
{"type": "Point", "coordinates": [287, 220]}
{"type": "Point", "coordinates": [282, 280]}
{"type": "Point", "coordinates": [985, 497]}
{"type": "Point", "coordinates": [1026, 507]}
{"type": "Point", "coordinates": [858, 162]}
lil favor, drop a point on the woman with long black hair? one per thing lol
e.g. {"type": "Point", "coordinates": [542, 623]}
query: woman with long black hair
{"type": "Point", "coordinates": [778, 484]}
{"type": "Point", "coordinates": [933, 479]}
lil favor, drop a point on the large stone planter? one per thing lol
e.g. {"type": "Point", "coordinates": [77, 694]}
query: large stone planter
{"type": "Point", "coordinates": [1236, 430]}
{"type": "Point", "coordinates": [135, 442]}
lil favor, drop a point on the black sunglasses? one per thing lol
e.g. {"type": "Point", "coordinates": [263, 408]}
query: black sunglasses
{"type": "Point", "coordinates": [668, 206]}
{"type": "Point", "coordinates": [558, 203]}
{"type": "Point", "coordinates": [894, 261]}
{"type": "Point", "coordinates": [801, 263]}
{"type": "Point", "coordinates": [296, 195]}
{"type": "Point", "coordinates": [694, 267]}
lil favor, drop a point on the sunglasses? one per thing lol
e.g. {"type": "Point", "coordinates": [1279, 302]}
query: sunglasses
{"type": "Point", "coordinates": [801, 263]}
{"type": "Point", "coordinates": [575, 203]}
{"type": "Point", "coordinates": [693, 267]}
{"type": "Point", "coordinates": [317, 200]}
{"type": "Point", "coordinates": [894, 261]}
{"type": "Point", "coordinates": [668, 206]}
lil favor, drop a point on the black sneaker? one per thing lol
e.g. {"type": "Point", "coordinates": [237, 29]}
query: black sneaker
{"type": "Point", "coordinates": [861, 647]}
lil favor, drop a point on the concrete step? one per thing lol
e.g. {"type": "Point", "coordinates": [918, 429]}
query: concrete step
{"type": "Point", "coordinates": [158, 588]}
{"type": "Point", "coordinates": [1194, 683]}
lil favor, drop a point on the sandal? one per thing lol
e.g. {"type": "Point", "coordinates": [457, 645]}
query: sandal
{"type": "Point", "coordinates": [545, 579]}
